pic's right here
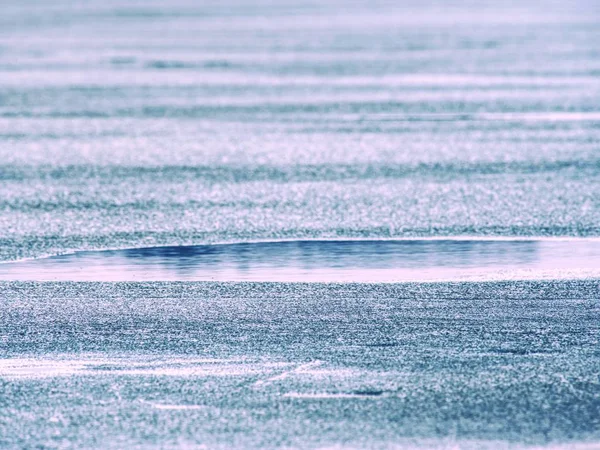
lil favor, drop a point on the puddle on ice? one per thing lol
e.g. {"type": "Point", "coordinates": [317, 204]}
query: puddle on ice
{"type": "Point", "coordinates": [326, 261]}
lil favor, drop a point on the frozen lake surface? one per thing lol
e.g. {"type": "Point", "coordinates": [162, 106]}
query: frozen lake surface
{"type": "Point", "coordinates": [303, 365]}
{"type": "Point", "coordinates": [182, 124]}
{"type": "Point", "coordinates": [126, 125]}
{"type": "Point", "coordinates": [364, 261]}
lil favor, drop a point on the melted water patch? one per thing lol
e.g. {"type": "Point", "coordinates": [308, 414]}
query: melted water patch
{"type": "Point", "coordinates": [325, 261]}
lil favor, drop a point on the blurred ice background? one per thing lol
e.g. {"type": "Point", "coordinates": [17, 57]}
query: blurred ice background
{"type": "Point", "coordinates": [128, 123]}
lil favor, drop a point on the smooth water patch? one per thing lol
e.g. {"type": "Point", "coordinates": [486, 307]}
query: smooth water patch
{"type": "Point", "coordinates": [325, 261]}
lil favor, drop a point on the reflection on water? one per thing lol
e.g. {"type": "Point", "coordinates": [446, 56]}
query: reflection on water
{"type": "Point", "coordinates": [361, 261]}
{"type": "Point", "coordinates": [316, 255]}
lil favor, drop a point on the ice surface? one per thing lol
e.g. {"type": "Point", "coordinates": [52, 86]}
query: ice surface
{"type": "Point", "coordinates": [128, 124]}
{"type": "Point", "coordinates": [254, 365]}
{"type": "Point", "coordinates": [132, 125]}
